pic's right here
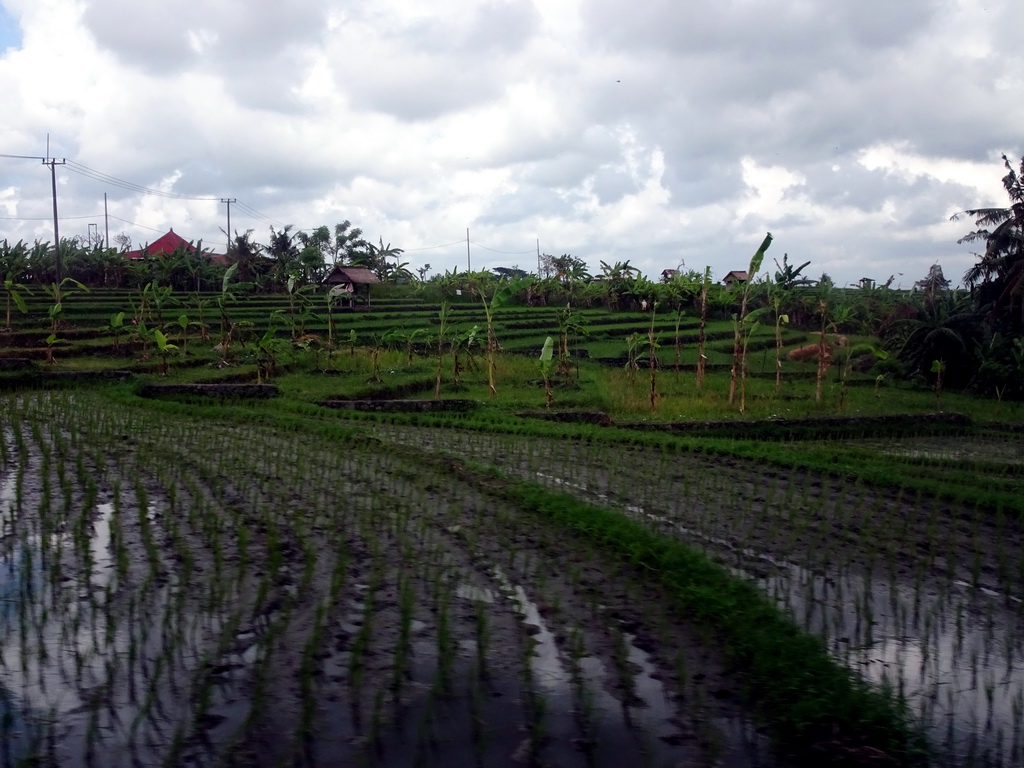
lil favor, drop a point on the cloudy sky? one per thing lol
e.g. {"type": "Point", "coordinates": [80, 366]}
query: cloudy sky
{"type": "Point", "coordinates": [654, 131]}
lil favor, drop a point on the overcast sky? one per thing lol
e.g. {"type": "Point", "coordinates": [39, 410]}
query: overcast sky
{"type": "Point", "coordinates": [654, 131]}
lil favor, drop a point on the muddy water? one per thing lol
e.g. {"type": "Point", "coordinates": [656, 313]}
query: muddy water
{"type": "Point", "coordinates": [922, 599]}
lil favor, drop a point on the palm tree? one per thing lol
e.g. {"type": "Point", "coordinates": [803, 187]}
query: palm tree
{"type": "Point", "coordinates": [245, 253]}
{"type": "Point", "coordinates": [1000, 269]}
{"type": "Point", "coordinates": [947, 329]}
{"type": "Point", "coordinates": [284, 250]}
{"type": "Point", "coordinates": [378, 261]}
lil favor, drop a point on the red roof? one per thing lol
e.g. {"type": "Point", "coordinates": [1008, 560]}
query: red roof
{"type": "Point", "coordinates": [168, 243]}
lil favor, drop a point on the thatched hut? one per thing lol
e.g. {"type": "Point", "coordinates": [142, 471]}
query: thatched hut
{"type": "Point", "coordinates": [347, 283]}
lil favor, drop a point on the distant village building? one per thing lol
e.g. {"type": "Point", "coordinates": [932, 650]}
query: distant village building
{"type": "Point", "coordinates": [736, 276]}
{"type": "Point", "coordinates": [345, 282]}
{"type": "Point", "coordinates": [668, 274]}
{"type": "Point", "coordinates": [167, 244]}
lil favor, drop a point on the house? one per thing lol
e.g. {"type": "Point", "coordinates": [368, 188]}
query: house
{"type": "Point", "coordinates": [167, 244]}
{"type": "Point", "coordinates": [734, 277]}
{"type": "Point", "coordinates": [668, 274]}
{"type": "Point", "coordinates": [345, 281]}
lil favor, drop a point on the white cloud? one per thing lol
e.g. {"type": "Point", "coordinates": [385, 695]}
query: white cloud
{"type": "Point", "coordinates": [655, 131]}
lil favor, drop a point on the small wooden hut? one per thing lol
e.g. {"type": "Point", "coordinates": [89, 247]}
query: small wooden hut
{"type": "Point", "coordinates": [736, 277]}
{"type": "Point", "coordinates": [347, 282]}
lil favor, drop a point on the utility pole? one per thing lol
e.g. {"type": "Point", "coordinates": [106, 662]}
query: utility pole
{"type": "Point", "coordinates": [469, 265]}
{"type": "Point", "coordinates": [538, 258]}
{"type": "Point", "coordinates": [229, 201]}
{"type": "Point", "coordinates": [53, 163]}
{"type": "Point", "coordinates": [106, 222]}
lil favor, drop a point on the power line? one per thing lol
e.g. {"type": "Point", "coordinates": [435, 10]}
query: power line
{"type": "Point", "coordinates": [135, 224]}
{"type": "Point", "coordinates": [495, 250]}
{"type": "Point", "coordinates": [90, 173]}
{"type": "Point", "coordinates": [47, 218]}
{"type": "Point", "coordinates": [257, 215]}
{"type": "Point", "coordinates": [432, 247]}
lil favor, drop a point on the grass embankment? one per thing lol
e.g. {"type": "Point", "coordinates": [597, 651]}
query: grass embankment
{"type": "Point", "coordinates": [817, 710]}
{"type": "Point", "coordinates": [981, 483]}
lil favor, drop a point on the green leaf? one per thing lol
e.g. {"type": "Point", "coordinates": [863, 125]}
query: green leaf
{"type": "Point", "coordinates": [504, 294]}
{"type": "Point", "coordinates": [547, 351]}
{"type": "Point", "coordinates": [18, 301]}
{"type": "Point", "coordinates": [228, 274]}
{"type": "Point", "coordinates": [758, 258]}
{"type": "Point", "coordinates": [754, 317]}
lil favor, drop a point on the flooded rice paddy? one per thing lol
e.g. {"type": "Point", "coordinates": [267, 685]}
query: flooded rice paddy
{"type": "Point", "coordinates": [182, 592]}
{"type": "Point", "coordinates": [918, 595]}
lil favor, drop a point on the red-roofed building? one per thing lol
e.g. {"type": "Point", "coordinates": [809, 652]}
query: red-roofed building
{"type": "Point", "coordinates": [167, 244]}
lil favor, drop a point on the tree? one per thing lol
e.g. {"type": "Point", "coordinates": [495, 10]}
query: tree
{"type": "Point", "coordinates": [567, 268]}
{"type": "Point", "coordinates": [283, 248]}
{"type": "Point", "coordinates": [1000, 268]}
{"type": "Point", "coordinates": [348, 246]}
{"type": "Point", "coordinates": [949, 329]}
{"type": "Point", "coordinates": [788, 277]}
{"type": "Point", "coordinates": [508, 273]}
{"type": "Point", "coordinates": [245, 254]}
{"type": "Point", "coordinates": [376, 258]}
{"type": "Point", "coordinates": [933, 284]}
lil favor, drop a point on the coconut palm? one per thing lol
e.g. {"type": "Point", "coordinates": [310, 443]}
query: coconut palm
{"type": "Point", "coordinates": [947, 329]}
{"type": "Point", "coordinates": [283, 248]}
{"type": "Point", "coordinates": [245, 253]}
{"type": "Point", "coordinates": [999, 270]}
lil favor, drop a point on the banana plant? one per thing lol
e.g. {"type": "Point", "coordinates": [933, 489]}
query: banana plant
{"type": "Point", "coordinates": [480, 284]}
{"type": "Point", "coordinates": [145, 337]}
{"type": "Point", "coordinates": [442, 336]}
{"type": "Point", "coordinates": [463, 343]}
{"type": "Point", "coordinates": [165, 348]}
{"type": "Point", "coordinates": [633, 342]}
{"type": "Point", "coordinates": [269, 349]}
{"type": "Point", "coordinates": [183, 323]}
{"type": "Point", "coordinates": [739, 345]}
{"type": "Point", "coordinates": [705, 288]}
{"type": "Point", "coordinates": [58, 294]}
{"type": "Point", "coordinates": [751, 323]}
{"type": "Point", "coordinates": [860, 349]}
{"type": "Point", "coordinates": [652, 359]}
{"type": "Point", "coordinates": [116, 326]}
{"type": "Point", "coordinates": [547, 364]}
{"type": "Point", "coordinates": [227, 295]}
{"type": "Point", "coordinates": [12, 292]}
{"type": "Point", "coordinates": [299, 306]}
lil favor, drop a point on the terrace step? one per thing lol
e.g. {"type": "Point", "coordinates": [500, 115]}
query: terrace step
{"type": "Point", "coordinates": [401, 406]}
